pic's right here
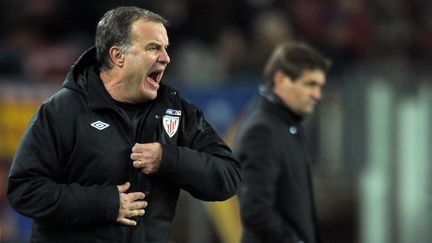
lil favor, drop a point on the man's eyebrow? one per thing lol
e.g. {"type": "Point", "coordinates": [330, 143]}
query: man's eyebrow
{"type": "Point", "coordinates": [157, 44]}
{"type": "Point", "coordinates": [153, 44]}
{"type": "Point", "coordinates": [312, 82]}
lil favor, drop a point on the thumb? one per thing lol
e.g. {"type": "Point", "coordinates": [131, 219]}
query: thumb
{"type": "Point", "coordinates": [124, 187]}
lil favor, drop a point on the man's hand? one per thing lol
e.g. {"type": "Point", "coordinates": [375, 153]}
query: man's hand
{"type": "Point", "coordinates": [131, 205]}
{"type": "Point", "coordinates": [147, 157]}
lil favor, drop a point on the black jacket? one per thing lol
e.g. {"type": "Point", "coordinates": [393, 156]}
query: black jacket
{"type": "Point", "coordinates": [276, 199]}
{"type": "Point", "coordinates": [77, 148]}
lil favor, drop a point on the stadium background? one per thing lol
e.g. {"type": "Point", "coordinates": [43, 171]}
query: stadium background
{"type": "Point", "coordinates": [370, 136]}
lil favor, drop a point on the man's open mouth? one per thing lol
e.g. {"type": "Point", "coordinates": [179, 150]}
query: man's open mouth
{"type": "Point", "coordinates": [154, 78]}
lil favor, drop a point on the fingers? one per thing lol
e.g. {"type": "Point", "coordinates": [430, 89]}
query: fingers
{"type": "Point", "coordinates": [135, 213]}
{"type": "Point", "coordinates": [131, 205]}
{"type": "Point", "coordinates": [138, 147]}
{"type": "Point", "coordinates": [136, 156]}
{"type": "Point", "coordinates": [142, 151]}
{"type": "Point", "coordinates": [131, 214]}
{"type": "Point", "coordinates": [124, 187]}
{"type": "Point", "coordinates": [147, 157]}
{"type": "Point", "coordinates": [138, 164]}
{"type": "Point", "coordinates": [127, 222]}
{"type": "Point", "coordinates": [135, 196]}
{"type": "Point", "coordinates": [139, 205]}
{"type": "Point", "coordinates": [146, 167]}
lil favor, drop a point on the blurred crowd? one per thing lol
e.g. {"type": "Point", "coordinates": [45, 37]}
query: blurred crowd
{"type": "Point", "coordinates": [212, 43]}
{"type": "Point", "coordinates": [215, 42]}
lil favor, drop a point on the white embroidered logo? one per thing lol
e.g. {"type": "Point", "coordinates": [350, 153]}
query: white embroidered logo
{"type": "Point", "coordinates": [100, 125]}
{"type": "Point", "coordinates": [170, 124]}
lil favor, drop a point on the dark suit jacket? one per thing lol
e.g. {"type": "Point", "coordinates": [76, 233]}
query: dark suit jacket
{"type": "Point", "coordinates": [276, 198]}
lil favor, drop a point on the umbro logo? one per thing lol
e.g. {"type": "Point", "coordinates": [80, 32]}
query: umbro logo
{"type": "Point", "coordinates": [100, 125]}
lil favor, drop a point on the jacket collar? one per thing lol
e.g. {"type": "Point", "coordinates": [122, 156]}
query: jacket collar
{"type": "Point", "coordinates": [98, 97]}
{"type": "Point", "coordinates": [83, 77]}
{"type": "Point", "coordinates": [274, 104]}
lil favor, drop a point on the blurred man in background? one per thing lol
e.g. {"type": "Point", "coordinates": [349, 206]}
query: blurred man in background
{"type": "Point", "coordinates": [276, 196]}
{"type": "Point", "coordinates": [104, 159]}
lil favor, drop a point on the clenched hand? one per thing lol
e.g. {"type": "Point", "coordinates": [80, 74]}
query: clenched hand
{"type": "Point", "coordinates": [131, 205]}
{"type": "Point", "coordinates": [147, 157]}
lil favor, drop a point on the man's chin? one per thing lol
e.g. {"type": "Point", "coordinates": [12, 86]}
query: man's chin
{"type": "Point", "coordinates": [307, 112]}
{"type": "Point", "coordinates": [150, 95]}
{"type": "Point", "coordinates": [149, 92]}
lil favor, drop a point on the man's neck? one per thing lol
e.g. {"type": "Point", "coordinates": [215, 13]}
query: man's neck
{"type": "Point", "coordinates": [112, 83]}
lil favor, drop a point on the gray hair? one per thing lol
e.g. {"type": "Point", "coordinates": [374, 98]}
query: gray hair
{"type": "Point", "coordinates": [114, 29]}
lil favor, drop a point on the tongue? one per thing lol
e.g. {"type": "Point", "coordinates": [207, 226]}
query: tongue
{"type": "Point", "coordinates": [152, 82]}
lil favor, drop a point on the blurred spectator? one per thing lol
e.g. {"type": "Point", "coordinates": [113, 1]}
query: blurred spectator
{"type": "Point", "coordinates": [391, 33]}
{"type": "Point", "coordinates": [340, 28]}
{"type": "Point", "coordinates": [269, 29]}
{"type": "Point", "coordinates": [177, 12]}
{"type": "Point", "coordinates": [198, 66]}
{"type": "Point", "coordinates": [421, 14]}
{"type": "Point", "coordinates": [49, 61]}
{"type": "Point", "coordinates": [346, 30]}
{"type": "Point", "coordinates": [10, 61]}
{"type": "Point", "coordinates": [215, 42]}
{"type": "Point", "coordinates": [8, 230]}
{"type": "Point", "coordinates": [233, 52]}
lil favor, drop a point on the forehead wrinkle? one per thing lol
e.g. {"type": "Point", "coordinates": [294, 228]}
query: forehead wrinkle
{"type": "Point", "coordinates": [149, 31]}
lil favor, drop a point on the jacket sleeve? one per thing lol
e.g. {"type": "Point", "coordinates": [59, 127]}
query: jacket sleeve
{"type": "Point", "coordinates": [261, 168]}
{"type": "Point", "coordinates": [36, 185]}
{"type": "Point", "coordinates": [202, 163]}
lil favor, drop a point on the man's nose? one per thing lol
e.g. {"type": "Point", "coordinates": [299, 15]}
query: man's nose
{"type": "Point", "coordinates": [164, 57]}
{"type": "Point", "coordinates": [317, 94]}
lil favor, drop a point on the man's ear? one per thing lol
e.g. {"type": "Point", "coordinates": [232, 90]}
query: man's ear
{"type": "Point", "coordinates": [116, 56]}
{"type": "Point", "coordinates": [279, 77]}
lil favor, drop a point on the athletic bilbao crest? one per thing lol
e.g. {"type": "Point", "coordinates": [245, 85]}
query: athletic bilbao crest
{"type": "Point", "coordinates": [170, 124]}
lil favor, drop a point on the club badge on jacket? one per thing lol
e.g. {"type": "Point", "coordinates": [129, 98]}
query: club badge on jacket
{"type": "Point", "coordinates": [171, 121]}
